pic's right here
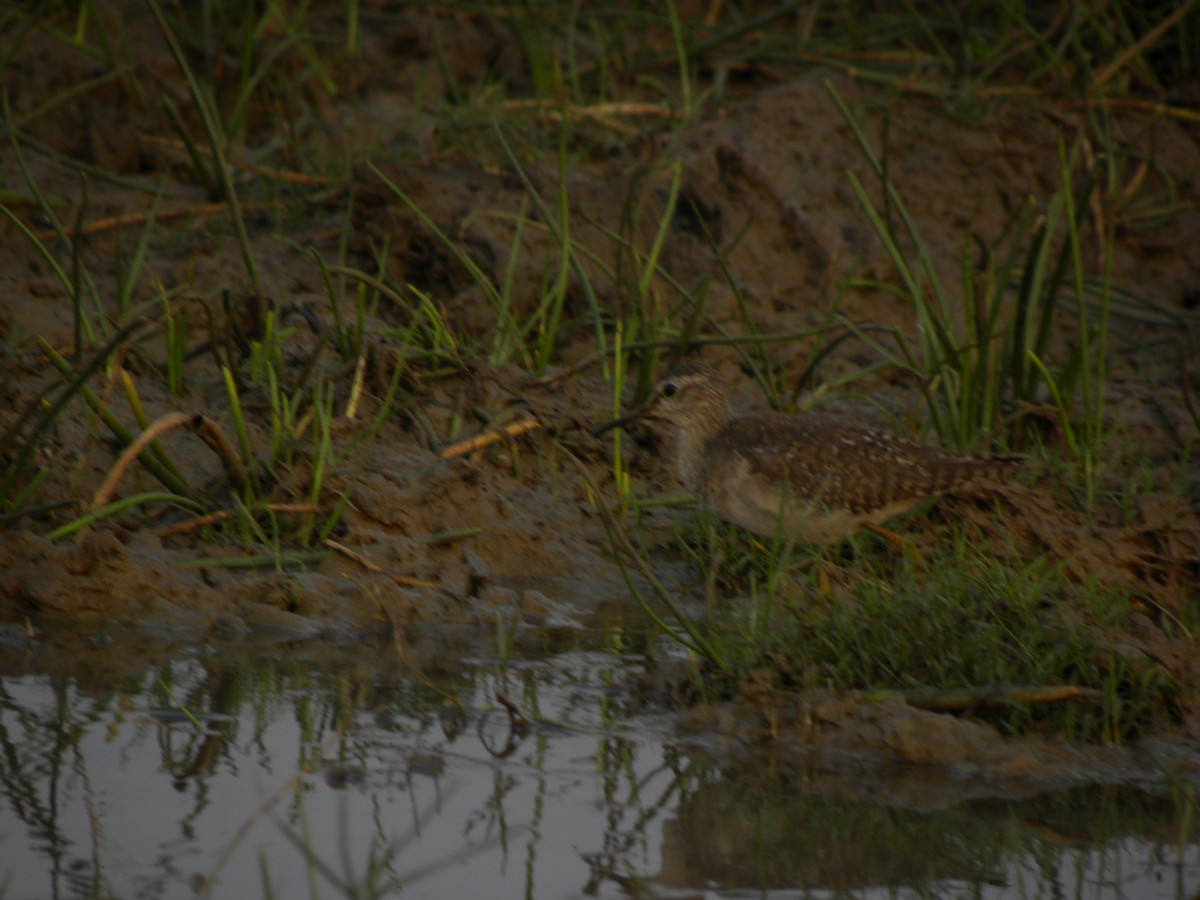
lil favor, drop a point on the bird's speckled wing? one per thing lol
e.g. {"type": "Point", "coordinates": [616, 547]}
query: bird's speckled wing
{"type": "Point", "coordinates": [847, 467]}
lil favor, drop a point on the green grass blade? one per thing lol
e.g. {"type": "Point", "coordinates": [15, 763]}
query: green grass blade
{"type": "Point", "coordinates": [117, 507]}
{"type": "Point", "coordinates": [76, 385]}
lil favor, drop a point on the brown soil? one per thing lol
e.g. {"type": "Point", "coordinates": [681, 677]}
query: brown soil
{"type": "Point", "coordinates": [764, 172]}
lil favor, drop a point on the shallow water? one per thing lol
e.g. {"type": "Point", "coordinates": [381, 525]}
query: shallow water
{"type": "Point", "coordinates": [284, 776]}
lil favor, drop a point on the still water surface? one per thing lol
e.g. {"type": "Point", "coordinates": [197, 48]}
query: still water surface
{"type": "Point", "coordinates": [277, 775]}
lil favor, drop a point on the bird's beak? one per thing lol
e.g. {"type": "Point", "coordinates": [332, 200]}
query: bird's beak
{"type": "Point", "coordinates": [625, 419]}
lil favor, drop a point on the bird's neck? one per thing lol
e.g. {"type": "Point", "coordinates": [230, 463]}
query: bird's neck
{"type": "Point", "coordinates": [692, 438]}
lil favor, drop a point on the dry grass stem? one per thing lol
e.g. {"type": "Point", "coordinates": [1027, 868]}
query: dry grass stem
{"type": "Point", "coordinates": [207, 430]}
{"type": "Point", "coordinates": [360, 368]}
{"type": "Point", "coordinates": [1143, 43]}
{"type": "Point", "coordinates": [513, 429]}
{"type": "Point", "coordinates": [600, 113]}
{"type": "Point", "coordinates": [215, 518]}
{"type": "Point", "coordinates": [133, 451]}
{"type": "Point", "coordinates": [264, 171]}
{"type": "Point", "coordinates": [371, 566]}
{"type": "Point", "coordinates": [139, 218]}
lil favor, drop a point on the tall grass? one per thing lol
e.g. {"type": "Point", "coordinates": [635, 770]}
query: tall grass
{"type": "Point", "coordinates": [984, 351]}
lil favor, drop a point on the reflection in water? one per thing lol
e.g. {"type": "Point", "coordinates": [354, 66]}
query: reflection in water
{"type": "Point", "coordinates": [289, 777]}
{"type": "Point", "coordinates": [1093, 842]}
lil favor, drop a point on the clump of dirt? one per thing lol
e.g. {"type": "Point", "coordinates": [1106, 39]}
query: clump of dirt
{"type": "Point", "coordinates": [426, 539]}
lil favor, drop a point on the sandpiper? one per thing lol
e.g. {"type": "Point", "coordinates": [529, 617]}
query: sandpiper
{"type": "Point", "coordinates": [808, 479]}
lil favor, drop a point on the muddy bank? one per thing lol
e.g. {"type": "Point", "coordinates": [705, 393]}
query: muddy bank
{"type": "Point", "coordinates": [512, 531]}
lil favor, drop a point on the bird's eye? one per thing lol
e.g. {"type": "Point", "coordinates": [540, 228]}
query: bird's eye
{"type": "Point", "coordinates": [670, 389]}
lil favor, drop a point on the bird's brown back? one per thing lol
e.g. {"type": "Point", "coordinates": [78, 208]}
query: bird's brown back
{"type": "Point", "coordinates": [847, 467]}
